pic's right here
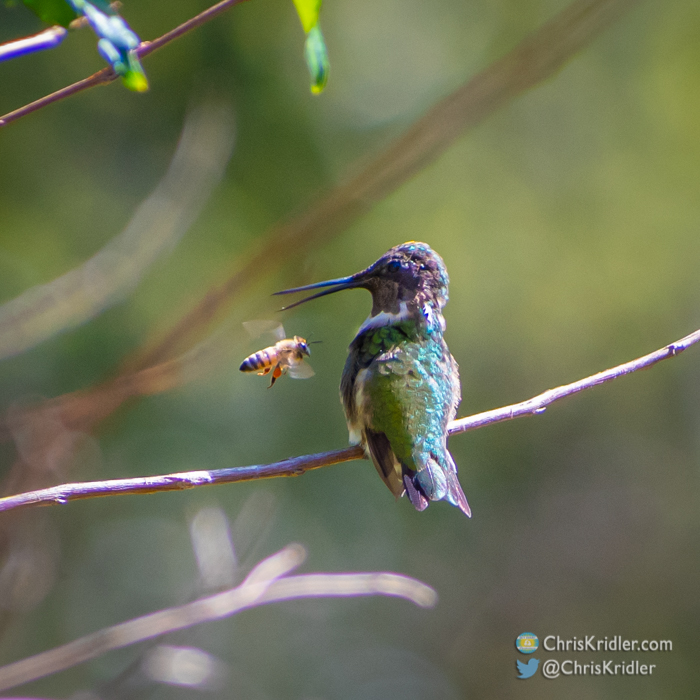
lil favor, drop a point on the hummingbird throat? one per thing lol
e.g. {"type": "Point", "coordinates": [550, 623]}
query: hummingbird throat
{"type": "Point", "coordinates": [433, 320]}
{"type": "Point", "coordinates": [386, 318]}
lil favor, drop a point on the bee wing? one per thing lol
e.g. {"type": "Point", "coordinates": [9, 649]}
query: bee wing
{"type": "Point", "coordinates": [301, 371]}
{"type": "Point", "coordinates": [257, 328]}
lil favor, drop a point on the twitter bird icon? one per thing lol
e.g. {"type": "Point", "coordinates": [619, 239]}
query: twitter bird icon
{"type": "Point", "coordinates": [528, 669]}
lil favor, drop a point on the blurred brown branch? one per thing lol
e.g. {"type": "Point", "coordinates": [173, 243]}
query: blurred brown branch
{"type": "Point", "coordinates": [534, 60]}
{"type": "Point", "coordinates": [299, 465]}
{"type": "Point", "coordinates": [155, 368]}
{"type": "Point", "coordinates": [153, 231]}
{"type": "Point", "coordinates": [107, 75]}
{"type": "Point", "coordinates": [267, 583]}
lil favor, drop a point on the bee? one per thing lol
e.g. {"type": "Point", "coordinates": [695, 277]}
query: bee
{"type": "Point", "coordinates": [286, 356]}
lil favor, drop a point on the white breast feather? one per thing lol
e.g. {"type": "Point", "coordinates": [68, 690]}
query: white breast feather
{"type": "Point", "coordinates": [385, 319]}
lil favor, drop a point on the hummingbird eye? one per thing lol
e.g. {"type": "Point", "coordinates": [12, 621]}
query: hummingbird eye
{"type": "Point", "coordinates": [394, 265]}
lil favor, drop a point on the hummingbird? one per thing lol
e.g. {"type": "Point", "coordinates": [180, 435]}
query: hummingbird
{"type": "Point", "coordinates": [400, 385]}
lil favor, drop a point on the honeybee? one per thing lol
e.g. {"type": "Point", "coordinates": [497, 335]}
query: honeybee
{"type": "Point", "coordinates": [286, 356]}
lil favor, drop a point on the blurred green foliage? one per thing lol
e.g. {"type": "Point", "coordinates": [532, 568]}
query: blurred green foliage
{"type": "Point", "coordinates": [52, 11]}
{"type": "Point", "coordinates": [569, 224]}
{"type": "Point", "coordinates": [315, 51]}
{"type": "Point", "coordinates": [308, 11]}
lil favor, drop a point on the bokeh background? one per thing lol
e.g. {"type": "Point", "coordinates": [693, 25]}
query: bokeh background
{"type": "Point", "coordinates": [569, 224]}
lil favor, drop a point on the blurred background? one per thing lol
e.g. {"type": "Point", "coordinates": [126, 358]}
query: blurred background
{"type": "Point", "coordinates": [569, 224]}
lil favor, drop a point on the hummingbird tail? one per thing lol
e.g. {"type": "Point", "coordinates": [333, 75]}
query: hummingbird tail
{"type": "Point", "coordinates": [431, 483]}
{"type": "Point", "coordinates": [455, 495]}
{"type": "Point", "coordinates": [437, 480]}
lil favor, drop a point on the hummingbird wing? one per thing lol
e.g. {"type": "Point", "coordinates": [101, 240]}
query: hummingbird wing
{"type": "Point", "coordinates": [354, 398]}
{"type": "Point", "coordinates": [385, 461]}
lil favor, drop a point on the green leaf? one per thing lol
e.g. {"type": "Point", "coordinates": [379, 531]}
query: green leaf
{"type": "Point", "coordinates": [308, 11]}
{"type": "Point", "coordinates": [52, 11]}
{"type": "Point", "coordinates": [316, 56]}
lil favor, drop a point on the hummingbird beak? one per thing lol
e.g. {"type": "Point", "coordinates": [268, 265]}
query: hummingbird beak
{"type": "Point", "coordinates": [336, 286]}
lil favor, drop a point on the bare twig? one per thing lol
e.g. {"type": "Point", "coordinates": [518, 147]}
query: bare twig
{"type": "Point", "coordinates": [57, 495]}
{"type": "Point", "coordinates": [266, 583]}
{"type": "Point", "coordinates": [107, 75]}
{"type": "Point", "coordinates": [299, 465]}
{"type": "Point", "coordinates": [47, 39]}
{"type": "Point", "coordinates": [539, 403]}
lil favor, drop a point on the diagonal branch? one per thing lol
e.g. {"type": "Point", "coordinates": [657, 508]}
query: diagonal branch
{"type": "Point", "coordinates": [107, 75]}
{"type": "Point", "coordinates": [299, 465]}
{"type": "Point", "coordinates": [538, 404]}
{"type": "Point", "coordinates": [267, 583]}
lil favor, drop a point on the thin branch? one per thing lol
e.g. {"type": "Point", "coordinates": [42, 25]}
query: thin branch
{"type": "Point", "coordinates": [296, 466]}
{"type": "Point", "coordinates": [107, 75]}
{"type": "Point", "coordinates": [48, 39]}
{"type": "Point", "coordinates": [148, 47]}
{"type": "Point", "coordinates": [299, 465]}
{"type": "Point", "coordinates": [538, 404]}
{"type": "Point", "coordinates": [267, 583]}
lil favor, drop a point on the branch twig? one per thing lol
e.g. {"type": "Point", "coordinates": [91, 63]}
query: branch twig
{"type": "Point", "coordinates": [539, 403]}
{"type": "Point", "coordinates": [266, 583]}
{"type": "Point", "coordinates": [48, 39]}
{"type": "Point", "coordinates": [299, 465]}
{"type": "Point", "coordinates": [107, 75]}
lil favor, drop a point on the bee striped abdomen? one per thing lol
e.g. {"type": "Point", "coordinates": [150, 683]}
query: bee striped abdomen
{"type": "Point", "coordinates": [257, 361]}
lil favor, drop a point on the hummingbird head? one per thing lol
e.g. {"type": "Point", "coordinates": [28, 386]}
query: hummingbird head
{"type": "Point", "coordinates": [411, 274]}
